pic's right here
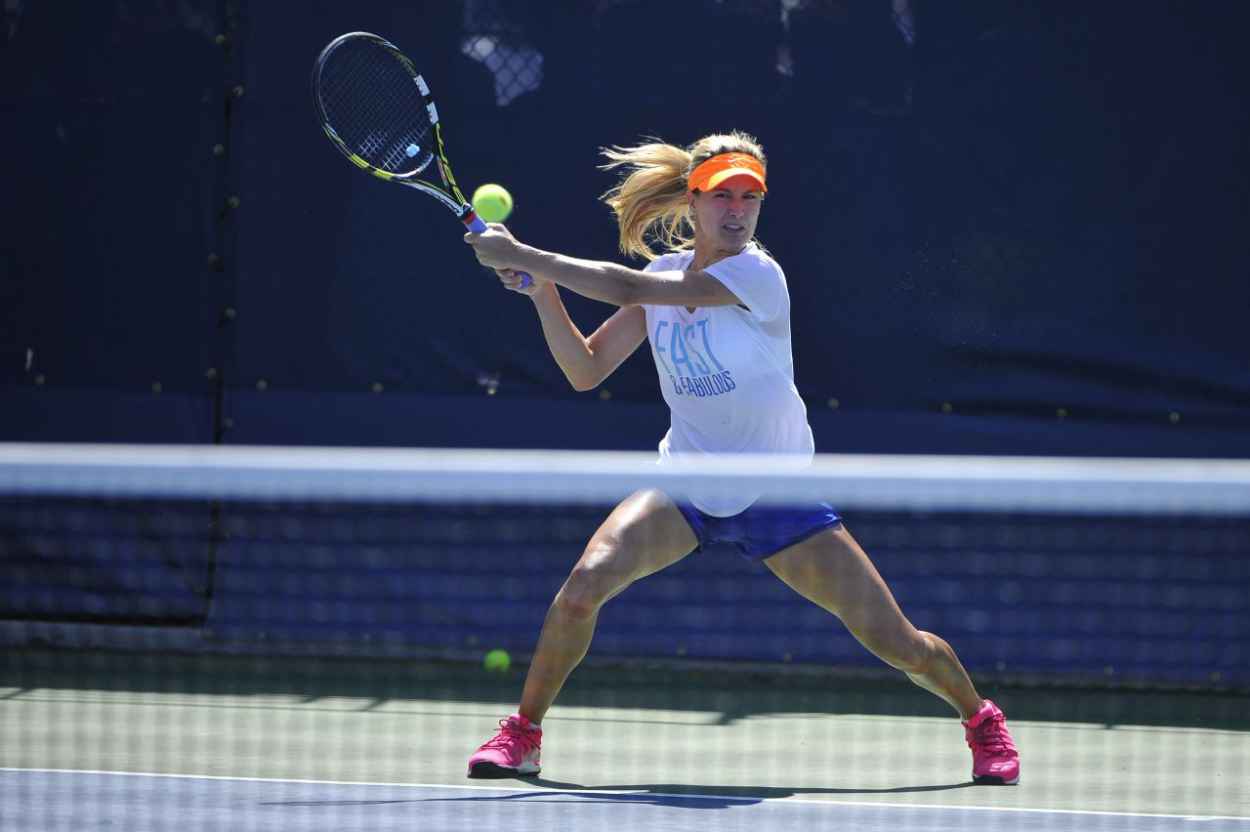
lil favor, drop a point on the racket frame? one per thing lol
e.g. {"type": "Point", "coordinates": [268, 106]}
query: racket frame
{"type": "Point", "coordinates": [450, 195]}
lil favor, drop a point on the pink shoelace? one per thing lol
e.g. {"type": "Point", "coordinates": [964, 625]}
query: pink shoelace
{"type": "Point", "coordinates": [508, 731]}
{"type": "Point", "coordinates": [991, 735]}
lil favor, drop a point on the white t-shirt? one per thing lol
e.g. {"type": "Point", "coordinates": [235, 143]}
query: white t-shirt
{"type": "Point", "coordinates": [727, 373]}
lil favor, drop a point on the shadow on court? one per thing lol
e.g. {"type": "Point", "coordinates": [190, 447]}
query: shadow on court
{"type": "Point", "coordinates": [677, 795]}
{"type": "Point", "coordinates": [675, 801]}
{"type": "Point", "coordinates": [752, 793]}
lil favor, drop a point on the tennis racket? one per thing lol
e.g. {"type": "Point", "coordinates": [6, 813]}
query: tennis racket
{"type": "Point", "coordinates": [377, 110]}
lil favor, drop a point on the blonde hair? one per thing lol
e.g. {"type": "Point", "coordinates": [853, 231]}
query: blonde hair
{"type": "Point", "coordinates": [650, 199]}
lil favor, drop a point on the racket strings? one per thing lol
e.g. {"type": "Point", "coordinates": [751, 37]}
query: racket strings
{"type": "Point", "coordinates": [373, 104]}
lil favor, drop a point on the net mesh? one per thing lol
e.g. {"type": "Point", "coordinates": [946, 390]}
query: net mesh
{"type": "Point", "coordinates": [370, 99]}
{"type": "Point", "coordinates": [293, 639]}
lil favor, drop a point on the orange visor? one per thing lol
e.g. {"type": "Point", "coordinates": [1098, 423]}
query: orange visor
{"type": "Point", "coordinates": [716, 170]}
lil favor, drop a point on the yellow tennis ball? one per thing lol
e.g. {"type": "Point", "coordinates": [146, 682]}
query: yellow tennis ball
{"type": "Point", "coordinates": [497, 661]}
{"type": "Point", "coordinates": [492, 203]}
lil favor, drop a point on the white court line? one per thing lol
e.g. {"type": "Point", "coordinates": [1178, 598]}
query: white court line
{"type": "Point", "coordinates": [803, 800]}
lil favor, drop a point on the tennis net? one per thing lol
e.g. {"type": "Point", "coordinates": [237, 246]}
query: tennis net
{"type": "Point", "coordinates": [300, 632]}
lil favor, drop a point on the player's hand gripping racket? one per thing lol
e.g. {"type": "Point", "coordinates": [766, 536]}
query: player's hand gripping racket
{"type": "Point", "coordinates": [377, 110]}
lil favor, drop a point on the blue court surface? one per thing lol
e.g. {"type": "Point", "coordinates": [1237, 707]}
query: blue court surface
{"type": "Point", "coordinates": [84, 801]}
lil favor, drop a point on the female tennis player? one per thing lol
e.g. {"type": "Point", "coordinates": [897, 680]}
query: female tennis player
{"type": "Point", "coordinates": [716, 311]}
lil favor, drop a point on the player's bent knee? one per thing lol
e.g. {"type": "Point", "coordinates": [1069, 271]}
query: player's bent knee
{"type": "Point", "coordinates": [578, 607]}
{"type": "Point", "coordinates": [577, 600]}
{"type": "Point", "coordinates": [585, 591]}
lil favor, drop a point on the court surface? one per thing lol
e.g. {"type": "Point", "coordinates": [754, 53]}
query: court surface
{"type": "Point", "coordinates": [192, 744]}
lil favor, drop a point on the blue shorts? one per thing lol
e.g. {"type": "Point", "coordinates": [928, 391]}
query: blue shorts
{"type": "Point", "coordinates": [760, 531]}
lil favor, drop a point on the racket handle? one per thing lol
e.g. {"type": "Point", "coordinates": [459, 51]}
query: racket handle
{"type": "Point", "coordinates": [475, 224]}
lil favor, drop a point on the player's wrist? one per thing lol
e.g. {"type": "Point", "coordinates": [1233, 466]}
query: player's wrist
{"type": "Point", "coordinates": [529, 259]}
{"type": "Point", "coordinates": [544, 292]}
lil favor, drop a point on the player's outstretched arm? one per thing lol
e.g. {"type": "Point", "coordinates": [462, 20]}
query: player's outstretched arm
{"type": "Point", "coordinates": [600, 280]}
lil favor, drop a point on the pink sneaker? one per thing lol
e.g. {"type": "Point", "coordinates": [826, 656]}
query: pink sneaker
{"type": "Point", "coordinates": [994, 756]}
{"type": "Point", "coordinates": [513, 752]}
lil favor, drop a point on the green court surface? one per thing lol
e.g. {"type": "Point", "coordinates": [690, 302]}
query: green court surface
{"type": "Point", "coordinates": [721, 732]}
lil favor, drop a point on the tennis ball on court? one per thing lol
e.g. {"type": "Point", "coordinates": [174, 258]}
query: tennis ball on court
{"type": "Point", "coordinates": [492, 203]}
{"type": "Point", "coordinates": [497, 661]}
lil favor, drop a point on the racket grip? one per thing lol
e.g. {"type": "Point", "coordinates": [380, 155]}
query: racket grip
{"type": "Point", "coordinates": [476, 225]}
